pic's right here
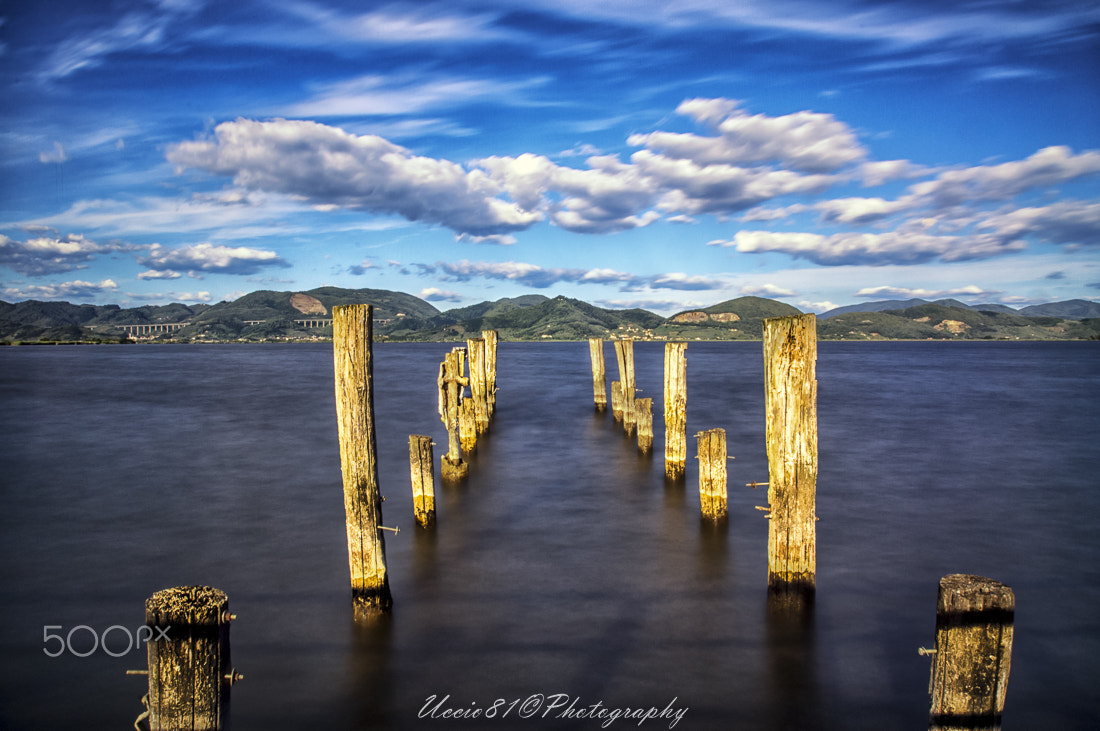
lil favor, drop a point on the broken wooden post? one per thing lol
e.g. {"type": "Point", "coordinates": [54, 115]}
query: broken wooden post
{"type": "Point", "coordinates": [352, 331]}
{"type": "Point", "coordinates": [624, 354]}
{"type": "Point", "coordinates": [475, 350]}
{"type": "Point", "coordinates": [790, 402]}
{"type": "Point", "coordinates": [490, 338]}
{"type": "Point", "coordinates": [421, 471]}
{"type": "Point", "coordinates": [643, 409]}
{"type": "Point", "coordinates": [675, 410]}
{"type": "Point", "coordinates": [188, 658]}
{"type": "Point", "coordinates": [973, 653]}
{"type": "Point", "coordinates": [599, 378]}
{"type": "Point", "coordinates": [617, 400]}
{"type": "Point", "coordinates": [467, 426]}
{"type": "Point", "coordinates": [450, 384]}
{"type": "Point", "coordinates": [712, 474]}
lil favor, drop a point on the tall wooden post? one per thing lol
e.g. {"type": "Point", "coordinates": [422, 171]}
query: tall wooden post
{"type": "Point", "coordinates": [643, 409]}
{"type": "Point", "coordinates": [189, 659]}
{"type": "Point", "coordinates": [475, 349]}
{"type": "Point", "coordinates": [490, 337]}
{"type": "Point", "coordinates": [675, 410]}
{"type": "Point", "coordinates": [624, 354]}
{"type": "Point", "coordinates": [599, 378]}
{"type": "Point", "coordinates": [421, 472]}
{"type": "Point", "coordinates": [352, 331]}
{"type": "Point", "coordinates": [617, 400]}
{"type": "Point", "coordinates": [712, 474]}
{"type": "Point", "coordinates": [450, 384]}
{"type": "Point", "coordinates": [790, 357]}
{"type": "Point", "coordinates": [973, 654]}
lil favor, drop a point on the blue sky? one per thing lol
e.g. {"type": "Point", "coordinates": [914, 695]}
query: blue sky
{"type": "Point", "coordinates": [664, 155]}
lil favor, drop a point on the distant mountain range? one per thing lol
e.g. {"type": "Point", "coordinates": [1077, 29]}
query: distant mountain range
{"type": "Point", "coordinates": [267, 316]}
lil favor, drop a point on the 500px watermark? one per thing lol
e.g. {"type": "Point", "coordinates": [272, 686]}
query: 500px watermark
{"type": "Point", "coordinates": [556, 705]}
{"type": "Point", "coordinates": [57, 644]}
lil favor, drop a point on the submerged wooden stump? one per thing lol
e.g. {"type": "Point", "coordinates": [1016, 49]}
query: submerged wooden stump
{"type": "Point", "coordinates": [421, 471]}
{"type": "Point", "coordinates": [675, 410]}
{"type": "Point", "coordinates": [624, 354]}
{"type": "Point", "coordinates": [599, 377]}
{"type": "Point", "coordinates": [790, 356]}
{"type": "Point", "coordinates": [479, 391]}
{"type": "Point", "coordinates": [450, 384]}
{"type": "Point", "coordinates": [712, 474]}
{"type": "Point", "coordinates": [189, 660]}
{"type": "Point", "coordinates": [643, 408]}
{"type": "Point", "coordinates": [973, 653]}
{"type": "Point", "coordinates": [352, 331]}
{"type": "Point", "coordinates": [617, 400]}
{"type": "Point", "coordinates": [490, 337]}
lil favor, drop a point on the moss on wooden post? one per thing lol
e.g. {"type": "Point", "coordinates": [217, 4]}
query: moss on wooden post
{"type": "Point", "coordinates": [352, 331]}
{"type": "Point", "coordinates": [624, 354]}
{"type": "Point", "coordinates": [675, 410]}
{"type": "Point", "coordinates": [421, 472]}
{"type": "Point", "coordinates": [643, 409]}
{"type": "Point", "coordinates": [189, 659]}
{"type": "Point", "coordinates": [712, 474]}
{"type": "Point", "coordinates": [973, 653]}
{"type": "Point", "coordinates": [599, 376]}
{"type": "Point", "coordinates": [790, 356]}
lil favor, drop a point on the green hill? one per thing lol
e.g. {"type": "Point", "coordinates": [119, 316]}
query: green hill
{"type": "Point", "coordinates": [736, 319]}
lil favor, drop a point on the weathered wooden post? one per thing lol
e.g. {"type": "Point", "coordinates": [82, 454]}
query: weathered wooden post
{"type": "Point", "coordinates": [790, 356]}
{"type": "Point", "coordinates": [467, 426]}
{"type": "Point", "coordinates": [421, 471]}
{"type": "Point", "coordinates": [675, 410]}
{"type": "Point", "coordinates": [624, 354]}
{"type": "Point", "coordinates": [475, 350]}
{"type": "Point", "coordinates": [450, 384]}
{"type": "Point", "coordinates": [643, 409]}
{"type": "Point", "coordinates": [352, 331]}
{"type": "Point", "coordinates": [712, 474]}
{"type": "Point", "coordinates": [599, 378]}
{"type": "Point", "coordinates": [973, 653]}
{"type": "Point", "coordinates": [617, 400]}
{"type": "Point", "coordinates": [189, 660]}
{"type": "Point", "coordinates": [490, 337]}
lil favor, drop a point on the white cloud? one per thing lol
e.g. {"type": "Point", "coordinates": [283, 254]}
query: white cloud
{"type": "Point", "coordinates": [806, 141]}
{"type": "Point", "coordinates": [767, 290]}
{"type": "Point", "coordinates": [892, 247]}
{"type": "Point", "coordinates": [324, 164]}
{"type": "Point", "coordinates": [434, 294]}
{"type": "Point", "coordinates": [910, 293]}
{"type": "Point", "coordinates": [208, 258]}
{"type": "Point", "coordinates": [75, 290]}
{"type": "Point", "coordinates": [53, 253]}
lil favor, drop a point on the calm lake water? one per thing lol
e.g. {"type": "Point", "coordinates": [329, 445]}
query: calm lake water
{"type": "Point", "coordinates": [565, 565]}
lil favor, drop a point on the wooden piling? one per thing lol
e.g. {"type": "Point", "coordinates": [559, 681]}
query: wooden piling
{"type": "Point", "coordinates": [490, 337]}
{"type": "Point", "coordinates": [188, 659]}
{"type": "Point", "coordinates": [712, 474]}
{"type": "Point", "coordinates": [624, 354]}
{"type": "Point", "coordinates": [421, 471]}
{"type": "Point", "coordinates": [790, 356]}
{"type": "Point", "coordinates": [599, 377]}
{"type": "Point", "coordinates": [352, 332]}
{"type": "Point", "coordinates": [643, 409]}
{"type": "Point", "coordinates": [467, 426]}
{"type": "Point", "coordinates": [675, 410]}
{"type": "Point", "coordinates": [617, 400]}
{"type": "Point", "coordinates": [973, 653]}
{"type": "Point", "coordinates": [450, 383]}
{"type": "Point", "coordinates": [475, 350]}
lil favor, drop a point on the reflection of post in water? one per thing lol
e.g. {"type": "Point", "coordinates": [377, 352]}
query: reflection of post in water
{"type": "Point", "coordinates": [790, 356]}
{"type": "Point", "coordinates": [973, 654]}
{"type": "Point", "coordinates": [793, 685]}
{"type": "Point", "coordinates": [369, 673]}
{"type": "Point", "coordinates": [188, 655]}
